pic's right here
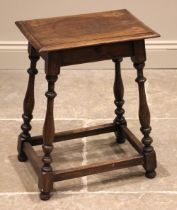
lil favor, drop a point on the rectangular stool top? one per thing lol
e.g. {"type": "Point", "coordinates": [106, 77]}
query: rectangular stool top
{"type": "Point", "coordinates": [58, 33]}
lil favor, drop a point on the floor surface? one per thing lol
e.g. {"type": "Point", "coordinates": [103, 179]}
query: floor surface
{"type": "Point", "coordinates": [85, 98]}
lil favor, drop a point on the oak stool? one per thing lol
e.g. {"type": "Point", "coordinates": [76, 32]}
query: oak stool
{"type": "Point", "coordinates": [63, 41]}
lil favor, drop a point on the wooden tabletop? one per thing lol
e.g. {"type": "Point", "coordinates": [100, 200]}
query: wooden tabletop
{"type": "Point", "coordinates": [58, 33]}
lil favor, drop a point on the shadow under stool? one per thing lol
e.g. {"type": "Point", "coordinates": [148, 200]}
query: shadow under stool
{"type": "Point", "coordinates": [77, 39]}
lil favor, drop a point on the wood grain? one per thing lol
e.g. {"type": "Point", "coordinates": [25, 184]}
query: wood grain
{"type": "Point", "coordinates": [84, 30]}
{"type": "Point", "coordinates": [28, 104]}
{"type": "Point", "coordinates": [119, 101]}
{"type": "Point", "coordinates": [132, 139]}
{"type": "Point", "coordinates": [76, 133]}
{"type": "Point", "coordinates": [96, 168]}
{"type": "Point", "coordinates": [63, 41]}
{"type": "Point", "coordinates": [32, 156]}
{"type": "Point", "coordinates": [144, 113]}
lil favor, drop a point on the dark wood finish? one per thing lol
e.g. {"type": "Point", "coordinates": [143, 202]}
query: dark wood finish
{"type": "Point", "coordinates": [49, 128]}
{"type": "Point", "coordinates": [95, 53]}
{"type": "Point", "coordinates": [144, 113]}
{"type": "Point", "coordinates": [28, 104]}
{"type": "Point", "coordinates": [63, 41]}
{"type": "Point", "coordinates": [119, 101]}
{"type": "Point", "coordinates": [84, 30]}
{"type": "Point", "coordinates": [132, 139]}
{"type": "Point", "coordinates": [97, 168]}
{"type": "Point", "coordinates": [77, 133]}
{"type": "Point", "coordinates": [33, 158]}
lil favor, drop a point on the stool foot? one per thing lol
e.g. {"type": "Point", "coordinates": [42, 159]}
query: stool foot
{"type": "Point", "coordinates": [21, 155]}
{"type": "Point", "coordinates": [119, 138]}
{"type": "Point", "coordinates": [120, 141]}
{"type": "Point", "coordinates": [150, 174]}
{"type": "Point", "coordinates": [22, 158]}
{"type": "Point", "coordinates": [44, 196]}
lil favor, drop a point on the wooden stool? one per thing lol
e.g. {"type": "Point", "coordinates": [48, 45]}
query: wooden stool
{"type": "Point", "coordinates": [77, 39]}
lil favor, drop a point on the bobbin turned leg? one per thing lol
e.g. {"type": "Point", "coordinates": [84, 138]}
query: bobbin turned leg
{"type": "Point", "coordinates": [119, 101]}
{"type": "Point", "coordinates": [28, 104]}
{"type": "Point", "coordinates": [144, 114]}
{"type": "Point", "coordinates": [46, 182]}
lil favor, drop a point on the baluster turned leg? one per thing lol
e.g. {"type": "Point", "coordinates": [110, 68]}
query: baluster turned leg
{"type": "Point", "coordinates": [46, 182]}
{"type": "Point", "coordinates": [144, 117]}
{"type": "Point", "coordinates": [119, 101]}
{"type": "Point", "coordinates": [28, 104]}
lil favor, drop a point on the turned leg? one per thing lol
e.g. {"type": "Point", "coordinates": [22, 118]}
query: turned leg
{"type": "Point", "coordinates": [46, 182]}
{"type": "Point", "coordinates": [28, 104]}
{"type": "Point", "coordinates": [119, 101]}
{"type": "Point", "coordinates": [144, 117]}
